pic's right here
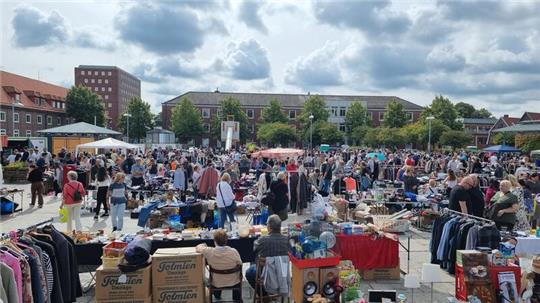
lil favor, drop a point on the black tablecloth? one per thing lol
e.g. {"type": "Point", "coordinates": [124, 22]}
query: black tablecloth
{"type": "Point", "coordinates": [90, 254]}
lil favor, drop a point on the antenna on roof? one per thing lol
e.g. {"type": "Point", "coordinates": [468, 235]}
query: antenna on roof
{"type": "Point", "coordinates": [217, 90]}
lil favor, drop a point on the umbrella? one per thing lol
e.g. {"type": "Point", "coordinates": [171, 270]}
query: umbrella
{"type": "Point", "coordinates": [502, 149]}
{"type": "Point", "coordinates": [380, 156]}
{"type": "Point", "coordinates": [279, 153]}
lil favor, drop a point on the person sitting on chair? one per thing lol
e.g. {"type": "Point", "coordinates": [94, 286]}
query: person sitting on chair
{"type": "Point", "coordinates": [222, 257]}
{"type": "Point", "coordinates": [273, 245]}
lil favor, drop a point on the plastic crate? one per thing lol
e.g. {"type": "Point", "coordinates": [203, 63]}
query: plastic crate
{"type": "Point", "coordinates": [319, 262]}
{"type": "Point", "coordinates": [461, 288]}
{"type": "Point", "coordinates": [114, 249]}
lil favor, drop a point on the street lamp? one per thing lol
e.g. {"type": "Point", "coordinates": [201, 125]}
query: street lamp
{"type": "Point", "coordinates": [127, 130]}
{"type": "Point", "coordinates": [429, 133]}
{"type": "Point", "coordinates": [311, 132]}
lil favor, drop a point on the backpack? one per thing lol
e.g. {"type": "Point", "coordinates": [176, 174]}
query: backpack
{"type": "Point", "coordinates": [77, 196]}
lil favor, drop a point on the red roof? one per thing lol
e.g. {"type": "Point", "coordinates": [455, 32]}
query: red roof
{"type": "Point", "coordinates": [533, 116]}
{"type": "Point", "coordinates": [510, 120]}
{"type": "Point", "coordinates": [11, 83]}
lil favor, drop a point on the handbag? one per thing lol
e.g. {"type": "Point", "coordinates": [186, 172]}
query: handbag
{"type": "Point", "coordinates": [231, 207]}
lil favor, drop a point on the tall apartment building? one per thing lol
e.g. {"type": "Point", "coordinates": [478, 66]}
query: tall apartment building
{"type": "Point", "coordinates": [291, 104]}
{"type": "Point", "coordinates": [28, 105]}
{"type": "Point", "coordinates": [114, 85]}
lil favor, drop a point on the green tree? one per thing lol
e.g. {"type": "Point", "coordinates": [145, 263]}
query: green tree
{"type": "Point", "coordinates": [157, 119]}
{"type": "Point", "coordinates": [395, 116]}
{"type": "Point", "coordinates": [231, 107]}
{"type": "Point", "coordinates": [371, 137]}
{"type": "Point", "coordinates": [504, 138]}
{"type": "Point", "coordinates": [358, 134]}
{"type": "Point", "coordinates": [273, 113]}
{"type": "Point", "coordinates": [390, 137]}
{"type": "Point", "coordinates": [356, 116]}
{"type": "Point", "coordinates": [464, 110]}
{"type": "Point", "coordinates": [276, 133]}
{"type": "Point", "coordinates": [140, 120]}
{"type": "Point", "coordinates": [329, 133]}
{"type": "Point", "coordinates": [186, 121]}
{"type": "Point", "coordinates": [482, 113]}
{"type": "Point", "coordinates": [442, 109]}
{"type": "Point", "coordinates": [84, 105]}
{"type": "Point", "coordinates": [455, 138]}
{"type": "Point", "coordinates": [316, 106]}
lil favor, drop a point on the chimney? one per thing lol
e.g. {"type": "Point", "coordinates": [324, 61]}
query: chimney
{"type": "Point", "coordinates": [506, 116]}
{"type": "Point", "coordinates": [217, 90]}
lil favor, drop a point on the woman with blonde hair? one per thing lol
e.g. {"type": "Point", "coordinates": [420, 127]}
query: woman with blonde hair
{"type": "Point", "coordinates": [118, 193]}
{"type": "Point", "coordinates": [225, 200]}
{"type": "Point", "coordinates": [522, 222]}
{"type": "Point", "coordinates": [72, 197]}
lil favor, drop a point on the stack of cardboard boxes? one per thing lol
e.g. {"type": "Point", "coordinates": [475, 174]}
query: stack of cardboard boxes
{"type": "Point", "coordinates": [113, 286]}
{"type": "Point", "coordinates": [178, 276]}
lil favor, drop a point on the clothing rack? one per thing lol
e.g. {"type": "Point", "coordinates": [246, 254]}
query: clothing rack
{"type": "Point", "coordinates": [37, 225]}
{"type": "Point", "coordinates": [446, 210]}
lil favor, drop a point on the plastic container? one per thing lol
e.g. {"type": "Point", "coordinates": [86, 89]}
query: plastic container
{"type": "Point", "coordinates": [319, 262]}
{"type": "Point", "coordinates": [110, 262]}
{"type": "Point", "coordinates": [114, 249]}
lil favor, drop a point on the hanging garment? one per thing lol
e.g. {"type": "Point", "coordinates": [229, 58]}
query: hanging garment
{"type": "Point", "coordinates": [8, 287]}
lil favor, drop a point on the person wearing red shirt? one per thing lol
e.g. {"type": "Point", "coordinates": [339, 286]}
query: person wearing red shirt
{"type": "Point", "coordinates": [409, 161]}
{"type": "Point", "coordinates": [70, 201]}
{"type": "Point", "coordinates": [291, 167]}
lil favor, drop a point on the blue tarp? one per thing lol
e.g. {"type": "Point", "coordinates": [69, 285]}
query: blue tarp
{"type": "Point", "coordinates": [502, 149]}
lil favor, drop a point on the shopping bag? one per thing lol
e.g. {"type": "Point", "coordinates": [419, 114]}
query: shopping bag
{"type": "Point", "coordinates": [63, 212]}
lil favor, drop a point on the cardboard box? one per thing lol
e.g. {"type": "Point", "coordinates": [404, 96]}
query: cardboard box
{"type": "Point", "coordinates": [112, 284]}
{"type": "Point", "coordinates": [177, 266]}
{"type": "Point", "coordinates": [134, 300]}
{"type": "Point", "coordinates": [460, 253]}
{"type": "Point", "coordinates": [194, 293]}
{"type": "Point", "coordinates": [392, 273]}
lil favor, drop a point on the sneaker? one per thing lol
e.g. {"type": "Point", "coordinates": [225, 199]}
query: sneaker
{"type": "Point", "coordinates": [114, 229]}
{"type": "Point", "coordinates": [95, 217]}
{"type": "Point", "coordinates": [105, 215]}
{"type": "Point", "coordinates": [40, 206]}
{"type": "Point", "coordinates": [32, 204]}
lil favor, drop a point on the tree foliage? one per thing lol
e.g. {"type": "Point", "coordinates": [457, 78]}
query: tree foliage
{"type": "Point", "coordinates": [389, 137]}
{"type": "Point", "coordinates": [231, 107]}
{"type": "Point", "coordinates": [316, 106]}
{"type": "Point", "coordinates": [186, 121]}
{"type": "Point", "coordinates": [356, 116]}
{"type": "Point", "coordinates": [456, 138]}
{"type": "Point", "coordinates": [358, 134]}
{"type": "Point", "coordinates": [442, 109]}
{"type": "Point", "coordinates": [157, 119]}
{"type": "Point", "coordinates": [329, 133]}
{"type": "Point", "coordinates": [84, 105]}
{"type": "Point", "coordinates": [482, 113]}
{"type": "Point", "coordinates": [504, 138]}
{"type": "Point", "coordinates": [276, 133]}
{"type": "Point", "coordinates": [141, 119]}
{"type": "Point", "coordinates": [466, 110]}
{"type": "Point", "coordinates": [395, 116]}
{"type": "Point", "coordinates": [528, 143]}
{"type": "Point", "coordinates": [273, 113]}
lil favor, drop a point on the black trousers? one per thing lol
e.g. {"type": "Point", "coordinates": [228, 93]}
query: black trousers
{"type": "Point", "coordinates": [102, 199]}
{"type": "Point", "coordinates": [235, 296]}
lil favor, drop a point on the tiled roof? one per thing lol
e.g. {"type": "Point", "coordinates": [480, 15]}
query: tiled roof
{"type": "Point", "coordinates": [531, 116]}
{"type": "Point", "coordinates": [510, 120]}
{"type": "Point", "coordinates": [12, 83]}
{"type": "Point", "coordinates": [287, 100]}
{"type": "Point", "coordinates": [489, 121]}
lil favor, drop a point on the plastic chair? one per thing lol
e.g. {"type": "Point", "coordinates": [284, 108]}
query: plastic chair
{"type": "Point", "coordinates": [211, 288]}
{"type": "Point", "coordinates": [260, 296]}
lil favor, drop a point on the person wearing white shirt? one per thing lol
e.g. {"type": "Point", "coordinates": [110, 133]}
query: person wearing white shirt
{"type": "Point", "coordinates": [11, 158]}
{"type": "Point", "coordinates": [225, 200]}
{"type": "Point", "coordinates": [454, 164]}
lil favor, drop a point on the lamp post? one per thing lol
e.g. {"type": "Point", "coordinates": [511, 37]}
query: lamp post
{"type": "Point", "coordinates": [429, 133]}
{"type": "Point", "coordinates": [311, 132]}
{"type": "Point", "coordinates": [127, 122]}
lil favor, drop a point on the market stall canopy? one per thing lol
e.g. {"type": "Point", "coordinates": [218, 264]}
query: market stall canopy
{"type": "Point", "coordinates": [82, 128]}
{"type": "Point", "coordinates": [379, 156]}
{"type": "Point", "coordinates": [502, 149]}
{"type": "Point", "coordinates": [278, 153]}
{"type": "Point", "coordinates": [108, 143]}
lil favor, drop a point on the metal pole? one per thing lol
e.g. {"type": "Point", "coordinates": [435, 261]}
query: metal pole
{"type": "Point", "coordinates": [429, 137]}
{"type": "Point", "coordinates": [127, 132]}
{"type": "Point", "coordinates": [310, 135]}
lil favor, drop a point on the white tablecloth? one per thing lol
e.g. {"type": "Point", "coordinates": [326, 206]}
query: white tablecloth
{"type": "Point", "coordinates": [528, 246]}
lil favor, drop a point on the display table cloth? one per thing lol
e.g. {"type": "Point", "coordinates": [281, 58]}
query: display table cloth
{"type": "Point", "coordinates": [90, 254]}
{"type": "Point", "coordinates": [527, 246]}
{"type": "Point", "coordinates": [367, 252]}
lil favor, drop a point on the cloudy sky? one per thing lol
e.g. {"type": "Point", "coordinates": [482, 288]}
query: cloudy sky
{"type": "Point", "coordinates": [486, 53]}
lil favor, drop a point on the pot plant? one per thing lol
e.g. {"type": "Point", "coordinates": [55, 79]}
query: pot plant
{"type": "Point", "coordinates": [15, 173]}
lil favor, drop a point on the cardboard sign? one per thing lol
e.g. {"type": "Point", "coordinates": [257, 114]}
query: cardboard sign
{"type": "Point", "coordinates": [112, 284]}
{"type": "Point", "coordinates": [177, 266]}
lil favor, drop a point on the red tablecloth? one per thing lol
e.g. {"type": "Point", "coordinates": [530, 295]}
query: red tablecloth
{"type": "Point", "coordinates": [367, 252]}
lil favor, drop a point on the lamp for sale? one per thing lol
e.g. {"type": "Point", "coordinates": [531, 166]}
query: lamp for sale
{"type": "Point", "coordinates": [431, 273]}
{"type": "Point", "coordinates": [411, 282]}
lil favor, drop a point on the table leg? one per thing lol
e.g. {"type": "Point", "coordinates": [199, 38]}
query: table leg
{"type": "Point", "coordinates": [408, 253]}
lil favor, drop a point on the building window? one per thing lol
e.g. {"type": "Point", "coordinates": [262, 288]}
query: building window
{"type": "Point", "coordinates": [342, 111]}
{"type": "Point", "coordinates": [110, 105]}
{"type": "Point", "coordinates": [103, 73]}
{"type": "Point", "coordinates": [409, 116]}
{"type": "Point", "coordinates": [106, 81]}
{"type": "Point", "coordinates": [109, 73]}
{"type": "Point", "coordinates": [82, 72]}
{"type": "Point", "coordinates": [96, 88]}
{"type": "Point", "coordinates": [29, 133]}
{"type": "Point", "coordinates": [219, 112]}
{"type": "Point", "coordinates": [99, 81]}
{"type": "Point", "coordinates": [2, 116]}
{"type": "Point", "coordinates": [18, 97]}
{"type": "Point", "coordinates": [85, 80]}
{"type": "Point", "coordinates": [39, 119]}
{"type": "Point", "coordinates": [334, 111]}
{"type": "Point", "coordinates": [28, 118]}
{"type": "Point", "coordinates": [58, 121]}
{"type": "Point", "coordinates": [63, 105]}
{"type": "Point", "coordinates": [292, 115]}
{"type": "Point", "coordinates": [92, 80]}
{"type": "Point", "coordinates": [250, 114]}
{"type": "Point", "coordinates": [251, 128]}
{"type": "Point", "coordinates": [106, 97]}
{"type": "Point", "coordinates": [67, 119]}
{"type": "Point", "coordinates": [96, 73]}
{"type": "Point", "coordinates": [342, 127]}
{"type": "Point", "coordinates": [15, 132]}
{"type": "Point", "coordinates": [103, 89]}
{"type": "Point", "coordinates": [369, 115]}
{"type": "Point", "coordinates": [205, 113]}
{"type": "Point", "coordinates": [381, 116]}
{"type": "Point", "coordinates": [49, 120]}
{"type": "Point", "coordinates": [110, 89]}
{"type": "Point", "coordinates": [206, 127]}
{"type": "Point", "coordinates": [16, 117]}
{"type": "Point", "coordinates": [3, 132]}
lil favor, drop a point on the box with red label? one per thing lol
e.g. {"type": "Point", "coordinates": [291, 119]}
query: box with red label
{"type": "Point", "coordinates": [112, 284]}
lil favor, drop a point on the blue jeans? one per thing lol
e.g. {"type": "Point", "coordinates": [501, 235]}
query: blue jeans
{"type": "Point", "coordinates": [325, 185]}
{"type": "Point", "coordinates": [223, 214]}
{"type": "Point", "coordinates": [117, 215]}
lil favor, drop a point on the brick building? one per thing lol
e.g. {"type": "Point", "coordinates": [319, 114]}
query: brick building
{"type": "Point", "coordinates": [114, 85]}
{"type": "Point", "coordinates": [292, 105]}
{"type": "Point", "coordinates": [504, 121]}
{"type": "Point", "coordinates": [479, 129]}
{"type": "Point", "coordinates": [28, 105]}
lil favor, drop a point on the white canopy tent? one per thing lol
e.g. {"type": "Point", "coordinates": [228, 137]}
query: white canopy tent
{"type": "Point", "coordinates": [108, 143]}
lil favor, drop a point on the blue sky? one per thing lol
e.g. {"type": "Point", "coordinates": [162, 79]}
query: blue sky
{"type": "Point", "coordinates": [483, 52]}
